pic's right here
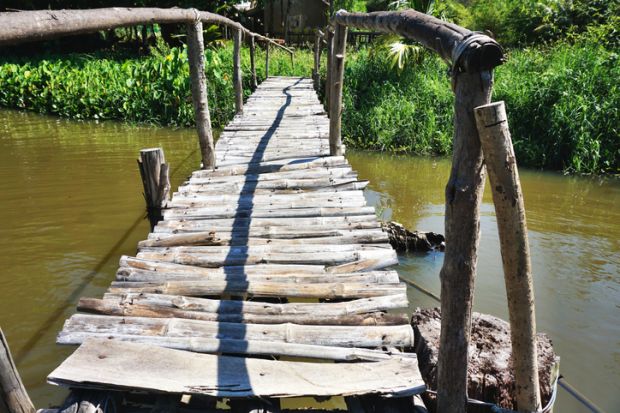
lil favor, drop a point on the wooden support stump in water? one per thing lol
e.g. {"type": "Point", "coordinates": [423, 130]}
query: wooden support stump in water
{"type": "Point", "coordinates": [336, 79]}
{"type": "Point", "coordinates": [12, 391]}
{"type": "Point", "coordinates": [255, 405]}
{"type": "Point", "coordinates": [90, 401]}
{"type": "Point", "coordinates": [237, 81]}
{"type": "Point", "coordinates": [198, 82]}
{"type": "Point", "coordinates": [501, 163]}
{"type": "Point", "coordinates": [253, 62]}
{"type": "Point", "coordinates": [376, 404]}
{"type": "Point", "coordinates": [156, 182]}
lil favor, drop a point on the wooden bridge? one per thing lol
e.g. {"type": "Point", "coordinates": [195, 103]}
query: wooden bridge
{"type": "Point", "coordinates": [281, 241]}
{"type": "Point", "coordinates": [266, 275]}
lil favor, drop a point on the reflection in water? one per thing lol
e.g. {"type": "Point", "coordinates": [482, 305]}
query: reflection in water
{"type": "Point", "coordinates": [574, 230]}
{"type": "Point", "coordinates": [70, 191]}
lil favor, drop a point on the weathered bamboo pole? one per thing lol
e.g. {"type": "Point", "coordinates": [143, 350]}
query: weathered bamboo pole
{"type": "Point", "coordinates": [328, 73]}
{"type": "Point", "coordinates": [25, 26]}
{"type": "Point", "coordinates": [501, 163]}
{"type": "Point", "coordinates": [237, 80]}
{"type": "Point", "coordinates": [12, 390]}
{"type": "Point", "coordinates": [198, 81]}
{"type": "Point", "coordinates": [267, 60]}
{"type": "Point", "coordinates": [463, 197]}
{"type": "Point", "coordinates": [154, 172]}
{"type": "Point", "coordinates": [336, 79]}
{"type": "Point", "coordinates": [253, 62]}
{"type": "Point", "coordinates": [317, 60]}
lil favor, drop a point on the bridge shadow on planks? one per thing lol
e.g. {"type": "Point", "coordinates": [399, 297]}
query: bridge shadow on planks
{"type": "Point", "coordinates": [238, 251]}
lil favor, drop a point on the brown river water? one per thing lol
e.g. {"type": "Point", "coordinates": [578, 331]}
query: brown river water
{"type": "Point", "coordinates": [71, 204]}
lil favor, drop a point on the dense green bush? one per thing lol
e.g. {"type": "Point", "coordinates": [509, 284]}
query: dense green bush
{"type": "Point", "coordinates": [152, 89]}
{"type": "Point", "coordinates": [563, 102]}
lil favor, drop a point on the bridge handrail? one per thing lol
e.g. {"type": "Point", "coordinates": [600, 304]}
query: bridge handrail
{"type": "Point", "coordinates": [472, 57]}
{"type": "Point", "coordinates": [37, 25]}
{"type": "Point", "coordinates": [34, 25]}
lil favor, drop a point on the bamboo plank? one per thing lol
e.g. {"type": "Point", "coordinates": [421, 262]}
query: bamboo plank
{"type": "Point", "coordinates": [97, 363]}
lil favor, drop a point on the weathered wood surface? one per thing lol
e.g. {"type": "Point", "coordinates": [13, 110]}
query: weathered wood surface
{"type": "Point", "coordinates": [98, 362]}
{"type": "Point", "coordinates": [273, 254]}
{"type": "Point", "coordinates": [13, 394]}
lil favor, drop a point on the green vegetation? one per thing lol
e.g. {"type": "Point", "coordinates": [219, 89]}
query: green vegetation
{"type": "Point", "coordinates": [563, 102]}
{"type": "Point", "coordinates": [153, 89]}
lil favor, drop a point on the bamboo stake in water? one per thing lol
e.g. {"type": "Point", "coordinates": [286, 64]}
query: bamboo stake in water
{"type": "Point", "coordinates": [501, 164]}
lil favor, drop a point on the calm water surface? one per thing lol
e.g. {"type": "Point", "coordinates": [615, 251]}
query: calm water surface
{"type": "Point", "coordinates": [71, 204]}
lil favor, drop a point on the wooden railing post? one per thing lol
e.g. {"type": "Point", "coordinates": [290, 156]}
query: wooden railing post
{"type": "Point", "coordinates": [462, 225]}
{"type": "Point", "coordinates": [198, 81]}
{"type": "Point", "coordinates": [156, 182]}
{"type": "Point", "coordinates": [316, 76]}
{"type": "Point", "coordinates": [328, 73]}
{"type": "Point", "coordinates": [267, 58]}
{"type": "Point", "coordinates": [337, 77]}
{"type": "Point", "coordinates": [237, 80]}
{"type": "Point", "coordinates": [12, 391]}
{"type": "Point", "coordinates": [253, 62]}
{"type": "Point", "coordinates": [501, 164]}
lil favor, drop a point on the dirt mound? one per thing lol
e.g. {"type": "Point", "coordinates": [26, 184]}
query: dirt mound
{"type": "Point", "coordinates": [490, 372]}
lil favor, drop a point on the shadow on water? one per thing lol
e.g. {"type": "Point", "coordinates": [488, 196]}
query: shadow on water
{"type": "Point", "coordinates": [238, 255]}
{"type": "Point", "coordinates": [59, 312]}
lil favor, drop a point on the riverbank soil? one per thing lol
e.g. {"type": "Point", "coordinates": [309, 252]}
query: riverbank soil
{"type": "Point", "coordinates": [490, 372]}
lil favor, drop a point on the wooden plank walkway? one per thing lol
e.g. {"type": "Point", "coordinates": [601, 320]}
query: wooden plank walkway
{"type": "Point", "coordinates": [275, 253]}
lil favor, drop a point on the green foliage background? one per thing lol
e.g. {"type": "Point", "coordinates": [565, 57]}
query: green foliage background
{"type": "Point", "coordinates": [560, 84]}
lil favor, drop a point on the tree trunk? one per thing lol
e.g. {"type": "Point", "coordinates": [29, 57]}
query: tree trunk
{"type": "Point", "coordinates": [510, 212]}
{"type": "Point", "coordinates": [462, 222]}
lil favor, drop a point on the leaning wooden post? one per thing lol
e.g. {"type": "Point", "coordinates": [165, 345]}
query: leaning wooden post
{"type": "Point", "coordinates": [337, 78]}
{"type": "Point", "coordinates": [237, 72]}
{"type": "Point", "coordinates": [463, 197]}
{"type": "Point", "coordinates": [156, 182]}
{"type": "Point", "coordinates": [253, 62]}
{"type": "Point", "coordinates": [198, 81]}
{"type": "Point", "coordinates": [317, 60]}
{"type": "Point", "coordinates": [328, 73]}
{"type": "Point", "coordinates": [12, 390]}
{"type": "Point", "coordinates": [267, 58]}
{"type": "Point", "coordinates": [501, 164]}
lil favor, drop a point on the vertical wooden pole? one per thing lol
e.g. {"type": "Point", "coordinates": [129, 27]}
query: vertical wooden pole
{"type": "Point", "coordinates": [337, 77]}
{"type": "Point", "coordinates": [328, 74]}
{"type": "Point", "coordinates": [12, 390]}
{"type": "Point", "coordinates": [267, 58]}
{"type": "Point", "coordinates": [237, 72]}
{"type": "Point", "coordinates": [463, 197]}
{"type": "Point", "coordinates": [155, 180]}
{"type": "Point", "coordinates": [501, 164]}
{"type": "Point", "coordinates": [198, 80]}
{"type": "Point", "coordinates": [317, 60]}
{"type": "Point", "coordinates": [253, 62]}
